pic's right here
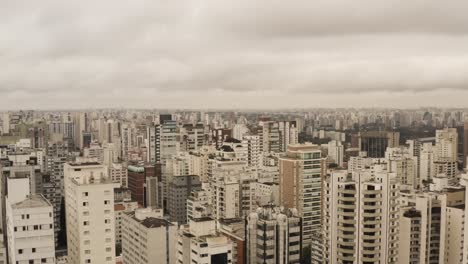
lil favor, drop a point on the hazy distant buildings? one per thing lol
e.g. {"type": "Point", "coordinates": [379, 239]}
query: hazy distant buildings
{"type": "Point", "coordinates": [275, 136]}
{"type": "Point", "coordinates": [375, 143]}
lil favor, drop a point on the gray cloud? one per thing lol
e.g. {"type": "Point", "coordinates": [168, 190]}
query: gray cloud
{"type": "Point", "coordinates": [142, 52]}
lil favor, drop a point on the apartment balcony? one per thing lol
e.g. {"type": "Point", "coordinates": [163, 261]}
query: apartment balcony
{"type": "Point", "coordinates": [368, 229]}
{"type": "Point", "coordinates": [374, 236]}
{"type": "Point", "coordinates": [372, 199]}
{"type": "Point", "coordinates": [374, 259]}
{"type": "Point", "coordinates": [345, 250]}
{"type": "Point", "coordinates": [346, 206]}
{"type": "Point", "coordinates": [346, 258]}
{"type": "Point", "coordinates": [376, 214]}
{"type": "Point", "coordinates": [351, 242]}
{"type": "Point", "coordinates": [346, 236]}
{"type": "Point", "coordinates": [372, 207]}
{"type": "Point", "coordinates": [348, 229]}
{"type": "Point", "coordinates": [344, 221]}
{"type": "Point", "coordinates": [346, 191]}
{"type": "Point", "coordinates": [374, 251]}
{"type": "Point", "coordinates": [366, 244]}
{"type": "Point", "coordinates": [347, 199]}
{"type": "Point", "coordinates": [341, 213]}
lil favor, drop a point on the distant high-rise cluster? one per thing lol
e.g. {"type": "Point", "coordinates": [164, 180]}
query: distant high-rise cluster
{"type": "Point", "coordinates": [216, 187]}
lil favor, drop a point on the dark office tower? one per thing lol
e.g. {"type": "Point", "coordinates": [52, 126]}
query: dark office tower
{"type": "Point", "coordinates": [376, 142]}
{"type": "Point", "coordinates": [465, 143]}
{"type": "Point", "coordinates": [219, 135]}
{"type": "Point", "coordinates": [136, 181]}
{"type": "Point", "coordinates": [180, 188]}
{"type": "Point", "coordinates": [163, 118]}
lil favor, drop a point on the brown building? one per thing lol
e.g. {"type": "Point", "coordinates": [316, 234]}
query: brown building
{"type": "Point", "coordinates": [301, 173]}
{"type": "Point", "coordinates": [136, 181]}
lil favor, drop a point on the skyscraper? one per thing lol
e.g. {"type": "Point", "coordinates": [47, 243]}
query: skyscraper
{"type": "Point", "coordinates": [89, 207]}
{"type": "Point", "coordinates": [301, 171]}
{"type": "Point", "coordinates": [180, 188]}
{"type": "Point", "coordinates": [273, 236]}
{"type": "Point", "coordinates": [361, 217]}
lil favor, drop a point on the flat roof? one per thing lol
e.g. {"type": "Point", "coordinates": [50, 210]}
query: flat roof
{"type": "Point", "coordinates": [84, 164]}
{"type": "Point", "coordinates": [33, 201]}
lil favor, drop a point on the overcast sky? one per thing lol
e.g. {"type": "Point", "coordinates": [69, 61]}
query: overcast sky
{"type": "Point", "coordinates": [233, 54]}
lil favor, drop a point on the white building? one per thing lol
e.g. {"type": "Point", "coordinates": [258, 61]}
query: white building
{"type": "Point", "coordinates": [5, 123]}
{"type": "Point", "coordinates": [336, 152]}
{"type": "Point", "coordinates": [30, 226]}
{"type": "Point", "coordinates": [94, 151]}
{"type": "Point", "coordinates": [447, 144]}
{"type": "Point", "coordinates": [148, 238]}
{"type": "Point", "coordinates": [119, 173]}
{"type": "Point", "coordinates": [426, 163]}
{"type": "Point", "coordinates": [254, 152]}
{"type": "Point", "coordinates": [120, 208]}
{"type": "Point", "coordinates": [199, 242]}
{"type": "Point", "coordinates": [89, 206]}
{"type": "Point", "coordinates": [361, 217]}
{"type": "Point", "coordinates": [239, 130]}
{"type": "Point", "coordinates": [404, 165]}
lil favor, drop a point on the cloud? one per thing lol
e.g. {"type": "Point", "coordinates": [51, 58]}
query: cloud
{"type": "Point", "coordinates": [110, 52]}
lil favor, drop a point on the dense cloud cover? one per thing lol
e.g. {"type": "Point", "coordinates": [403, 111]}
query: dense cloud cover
{"type": "Point", "coordinates": [219, 53]}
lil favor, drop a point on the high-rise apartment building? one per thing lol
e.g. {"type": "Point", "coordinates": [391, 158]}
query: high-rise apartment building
{"type": "Point", "coordinates": [180, 188]}
{"type": "Point", "coordinates": [119, 173]}
{"type": "Point", "coordinates": [200, 242]}
{"type": "Point", "coordinates": [148, 238]}
{"type": "Point", "coordinates": [301, 171]}
{"type": "Point", "coordinates": [5, 123]}
{"type": "Point", "coordinates": [446, 144]}
{"type": "Point", "coordinates": [89, 207]}
{"type": "Point", "coordinates": [275, 136]}
{"type": "Point", "coordinates": [273, 235]}
{"type": "Point", "coordinates": [361, 217]}
{"type": "Point", "coordinates": [162, 140]}
{"type": "Point", "coordinates": [254, 153]}
{"type": "Point", "coordinates": [30, 225]}
{"type": "Point", "coordinates": [336, 152]}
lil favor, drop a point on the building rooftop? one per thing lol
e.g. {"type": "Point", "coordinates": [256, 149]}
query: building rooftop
{"type": "Point", "coordinates": [152, 222]}
{"type": "Point", "coordinates": [33, 201]}
{"type": "Point", "coordinates": [90, 163]}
